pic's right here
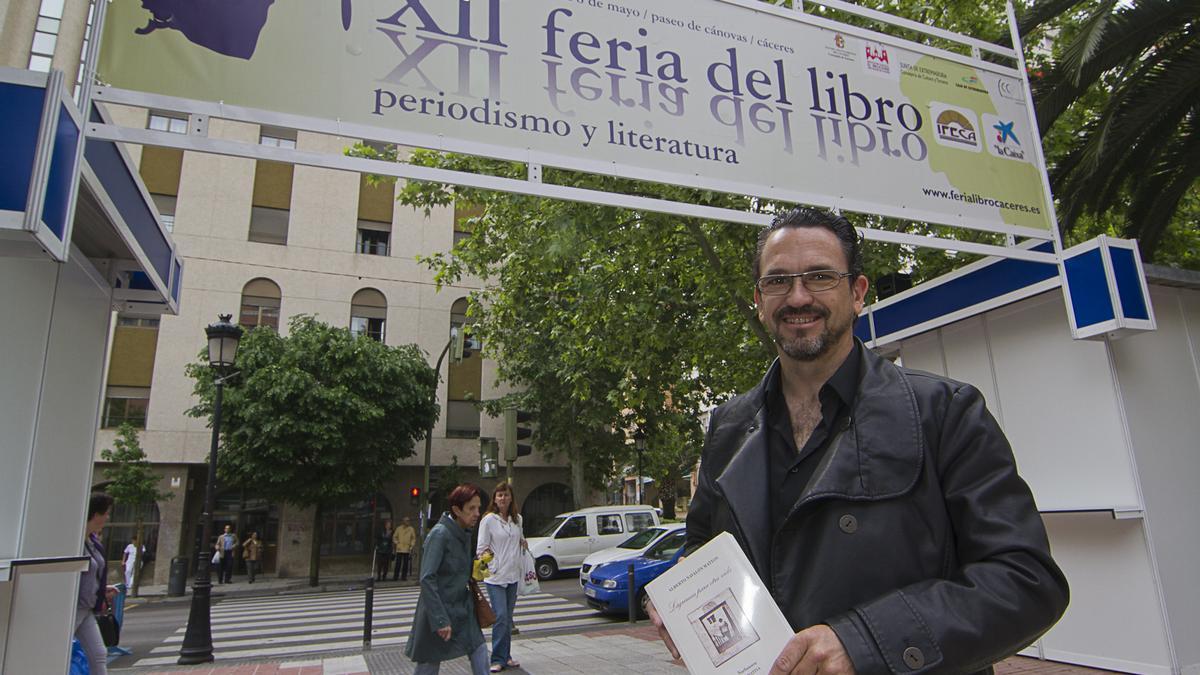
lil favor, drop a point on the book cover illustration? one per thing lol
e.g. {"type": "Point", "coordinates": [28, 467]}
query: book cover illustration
{"type": "Point", "coordinates": [723, 627]}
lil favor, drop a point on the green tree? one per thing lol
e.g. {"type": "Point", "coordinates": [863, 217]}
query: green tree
{"type": "Point", "coordinates": [132, 482]}
{"type": "Point", "coordinates": [1123, 93]}
{"type": "Point", "coordinates": [318, 417]}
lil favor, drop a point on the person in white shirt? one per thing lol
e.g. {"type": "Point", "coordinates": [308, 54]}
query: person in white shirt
{"type": "Point", "coordinates": [500, 532]}
{"type": "Point", "coordinates": [129, 557]}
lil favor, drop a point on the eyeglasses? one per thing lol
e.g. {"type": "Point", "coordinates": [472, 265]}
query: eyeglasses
{"type": "Point", "coordinates": [815, 281]}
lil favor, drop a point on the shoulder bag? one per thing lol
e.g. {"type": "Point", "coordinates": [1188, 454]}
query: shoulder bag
{"type": "Point", "coordinates": [483, 609]}
{"type": "Point", "coordinates": [110, 630]}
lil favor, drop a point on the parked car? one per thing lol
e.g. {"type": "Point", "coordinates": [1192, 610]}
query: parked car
{"type": "Point", "coordinates": [633, 547]}
{"type": "Point", "coordinates": [573, 536]}
{"type": "Point", "coordinates": [608, 588]}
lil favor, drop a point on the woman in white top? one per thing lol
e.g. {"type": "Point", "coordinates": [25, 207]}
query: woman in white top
{"type": "Point", "coordinates": [500, 532]}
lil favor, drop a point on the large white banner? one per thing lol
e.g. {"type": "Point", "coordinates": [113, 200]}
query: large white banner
{"type": "Point", "coordinates": [731, 95]}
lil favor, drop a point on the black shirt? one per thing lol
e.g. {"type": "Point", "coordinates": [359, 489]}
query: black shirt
{"type": "Point", "coordinates": [791, 469]}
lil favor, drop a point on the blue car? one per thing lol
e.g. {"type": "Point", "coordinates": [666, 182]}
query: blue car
{"type": "Point", "coordinates": [608, 588]}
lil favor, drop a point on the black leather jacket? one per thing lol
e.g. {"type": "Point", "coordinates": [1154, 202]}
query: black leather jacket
{"type": "Point", "coordinates": [915, 539]}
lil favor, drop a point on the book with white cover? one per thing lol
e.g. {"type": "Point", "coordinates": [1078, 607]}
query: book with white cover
{"type": "Point", "coordinates": [719, 613]}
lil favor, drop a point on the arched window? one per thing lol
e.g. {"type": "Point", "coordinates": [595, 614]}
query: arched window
{"type": "Point", "coordinates": [368, 313]}
{"type": "Point", "coordinates": [260, 304]}
{"type": "Point", "coordinates": [464, 382]}
{"type": "Point", "coordinates": [351, 529]}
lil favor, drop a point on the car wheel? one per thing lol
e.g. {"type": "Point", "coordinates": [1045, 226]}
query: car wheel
{"type": "Point", "coordinates": [546, 568]}
{"type": "Point", "coordinates": [642, 600]}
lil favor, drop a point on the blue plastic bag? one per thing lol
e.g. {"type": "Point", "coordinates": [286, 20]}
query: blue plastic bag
{"type": "Point", "coordinates": [79, 660]}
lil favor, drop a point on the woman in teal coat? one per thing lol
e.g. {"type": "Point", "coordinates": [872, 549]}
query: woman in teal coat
{"type": "Point", "coordinates": [444, 626]}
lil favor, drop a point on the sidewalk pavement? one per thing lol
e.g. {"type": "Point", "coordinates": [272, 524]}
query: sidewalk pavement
{"type": "Point", "coordinates": [632, 650]}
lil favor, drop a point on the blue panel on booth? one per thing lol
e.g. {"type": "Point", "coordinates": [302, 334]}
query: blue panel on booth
{"type": "Point", "coordinates": [20, 119]}
{"type": "Point", "coordinates": [965, 291]}
{"type": "Point", "coordinates": [862, 328]}
{"type": "Point", "coordinates": [1089, 289]}
{"type": "Point", "coordinates": [122, 188]}
{"type": "Point", "coordinates": [62, 175]}
{"type": "Point", "coordinates": [1129, 284]}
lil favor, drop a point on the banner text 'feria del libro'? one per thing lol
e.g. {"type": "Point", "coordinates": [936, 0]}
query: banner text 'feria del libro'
{"type": "Point", "coordinates": [714, 93]}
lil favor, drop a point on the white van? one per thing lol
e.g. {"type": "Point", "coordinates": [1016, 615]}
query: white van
{"type": "Point", "coordinates": [571, 537]}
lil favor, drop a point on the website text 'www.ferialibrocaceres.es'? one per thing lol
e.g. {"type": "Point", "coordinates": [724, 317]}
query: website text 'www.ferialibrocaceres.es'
{"type": "Point", "coordinates": [956, 196]}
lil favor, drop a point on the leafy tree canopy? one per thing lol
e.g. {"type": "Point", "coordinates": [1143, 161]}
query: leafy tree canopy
{"type": "Point", "coordinates": [132, 480]}
{"type": "Point", "coordinates": [319, 416]}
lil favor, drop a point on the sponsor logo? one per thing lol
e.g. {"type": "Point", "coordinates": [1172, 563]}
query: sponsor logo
{"type": "Point", "coordinates": [970, 80]}
{"type": "Point", "coordinates": [1002, 140]}
{"type": "Point", "coordinates": [955, 127]}
{"type": "Point", "coordinates": [838, 48]}
{"type": "Point", "coordinates": [1011, 90]}
{"type": "Point", "coordinates": [875, 58]}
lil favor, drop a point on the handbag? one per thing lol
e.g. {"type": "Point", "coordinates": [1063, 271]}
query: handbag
{"type": "Point", "coordinates": [216, 559]}
{"type": "Point", "coordinates": [110, 628]}
{"type": "Point", "coordinates": [483, 609]}
{"type": "Point", "coordinates": [529, 579]}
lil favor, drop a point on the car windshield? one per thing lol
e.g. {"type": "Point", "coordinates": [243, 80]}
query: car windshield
{"type": "Point", "coordinates": [641, 539]}
{"type": "Point", "coordinates": [548, 530]}
{"type": "Point", "coordinates": [669, 545]}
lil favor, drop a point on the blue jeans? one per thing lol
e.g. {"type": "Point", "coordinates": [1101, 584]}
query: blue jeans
{"type": "Point", "coordinates": [479, 664]}
{"type": "Point", "coordinates": [504, 600]}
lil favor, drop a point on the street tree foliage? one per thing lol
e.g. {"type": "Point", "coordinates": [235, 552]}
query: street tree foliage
{"type": "Point", "coordinates": [1130, 73]}
{"type": "Point", "coordinates": [317, 417]}
{"type": "Point", "coordinates": [132, 481]}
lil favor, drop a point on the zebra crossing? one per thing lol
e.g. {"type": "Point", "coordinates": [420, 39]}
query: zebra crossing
{"type": "Point", "coordinates": [288, 625]}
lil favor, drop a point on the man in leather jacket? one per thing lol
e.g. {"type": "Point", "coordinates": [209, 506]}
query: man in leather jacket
{"type": "Point", "coordinates": [880, 506]}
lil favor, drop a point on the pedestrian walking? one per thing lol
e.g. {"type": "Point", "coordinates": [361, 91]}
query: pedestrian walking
{"type": "Point", "coordinates": [445, 625]}
{"type": "Point", "coordinates": [94, 591]}
{"type": "Point", "coordinates": [383, 551]}
{"type": "Point", "coordinates": [226, 544]}
{"type": "Point", "coordinates": [403, 540]}
{"type": "Point", "coordinates": [501, 533]}
{"type": "Point", "coordinates": [133, 558]}
{"type": "Point", "coordinates": [250, 552]}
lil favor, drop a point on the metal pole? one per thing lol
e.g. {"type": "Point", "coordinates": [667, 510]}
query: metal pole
{"type": "Point", "coordinates": [639, 478]}
{"type": "Point", "coordinates": [508, 473]}
{"type": "Point", "coordinates": [632, 597]}
{"type": "Point", "coordinates": [197, 641]}
{"type": "Point", "coordinates": [424, 520]}
{"type": "Point", "coordinates": [369, 611]}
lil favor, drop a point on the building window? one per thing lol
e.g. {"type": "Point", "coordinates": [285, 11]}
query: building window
{"type": "Point", "coordinates": [166, 210]}
{"type": "Point", "coordinates": [464, 382]}
{"type": "Point", "coordinates": [137, 322]}
{"type": "Point", "coordinates": [45, 36]}
{"type": "Point", "coordinates": [260, 304]}
{"type": "Point", "coordinates": [352, 529]}
{"type": "Point", "coordinates": [375, 205]}
{"type": "Point", "coordinates": [121, 407]}
{"type": "Point", "coordinates": [368, 314]}
{"type": "Point", "coordinates": [119, 531]}
{"type": "Point", "coordinates": [270, 208]}
{"type": "Point", "coordinates": [161, 122]}
{"type": "Point", "coordinates": [372, 241]}
{"type": "Point", "coordinates": [465, 216]}
{"type": "Point", "coordinates": [277, 138]}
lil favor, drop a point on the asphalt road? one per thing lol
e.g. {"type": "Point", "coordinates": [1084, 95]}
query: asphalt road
{"type": "Point", "coordinates": [148, 624]}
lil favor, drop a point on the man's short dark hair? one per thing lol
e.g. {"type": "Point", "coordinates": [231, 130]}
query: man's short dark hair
{"type": "Point", "coordinates": [805, 216]}
{"type": "Point", "coordinates": [99, 504]}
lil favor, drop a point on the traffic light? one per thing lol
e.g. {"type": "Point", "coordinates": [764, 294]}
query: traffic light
{"type": "Point", "coordinates": [414, 496]}
{"type": "Point", "coordinates": [489, 449]}
{"type": "Point", "coordinates": [517, 427]}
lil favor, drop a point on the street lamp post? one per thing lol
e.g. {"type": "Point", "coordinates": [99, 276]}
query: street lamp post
{"type": "Point", "coordinates": [639, 442]}
{"type": "Point", "coordinates": [223, 338]}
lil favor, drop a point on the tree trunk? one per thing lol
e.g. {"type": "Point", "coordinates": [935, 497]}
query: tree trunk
{"type": "Point", "coordinates": [578, 480]}
{"type": "Point", "coordinates": [314, 556]}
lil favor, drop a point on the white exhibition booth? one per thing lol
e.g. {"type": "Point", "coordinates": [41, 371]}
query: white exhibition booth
{"type": "Point", "coordinates": [1105, 430]}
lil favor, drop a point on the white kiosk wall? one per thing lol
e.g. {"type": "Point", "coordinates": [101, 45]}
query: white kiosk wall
{"type": "Point", "coordinates": [1078, 414]}
{"type": "Point", "coordinates": [55, 337]}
